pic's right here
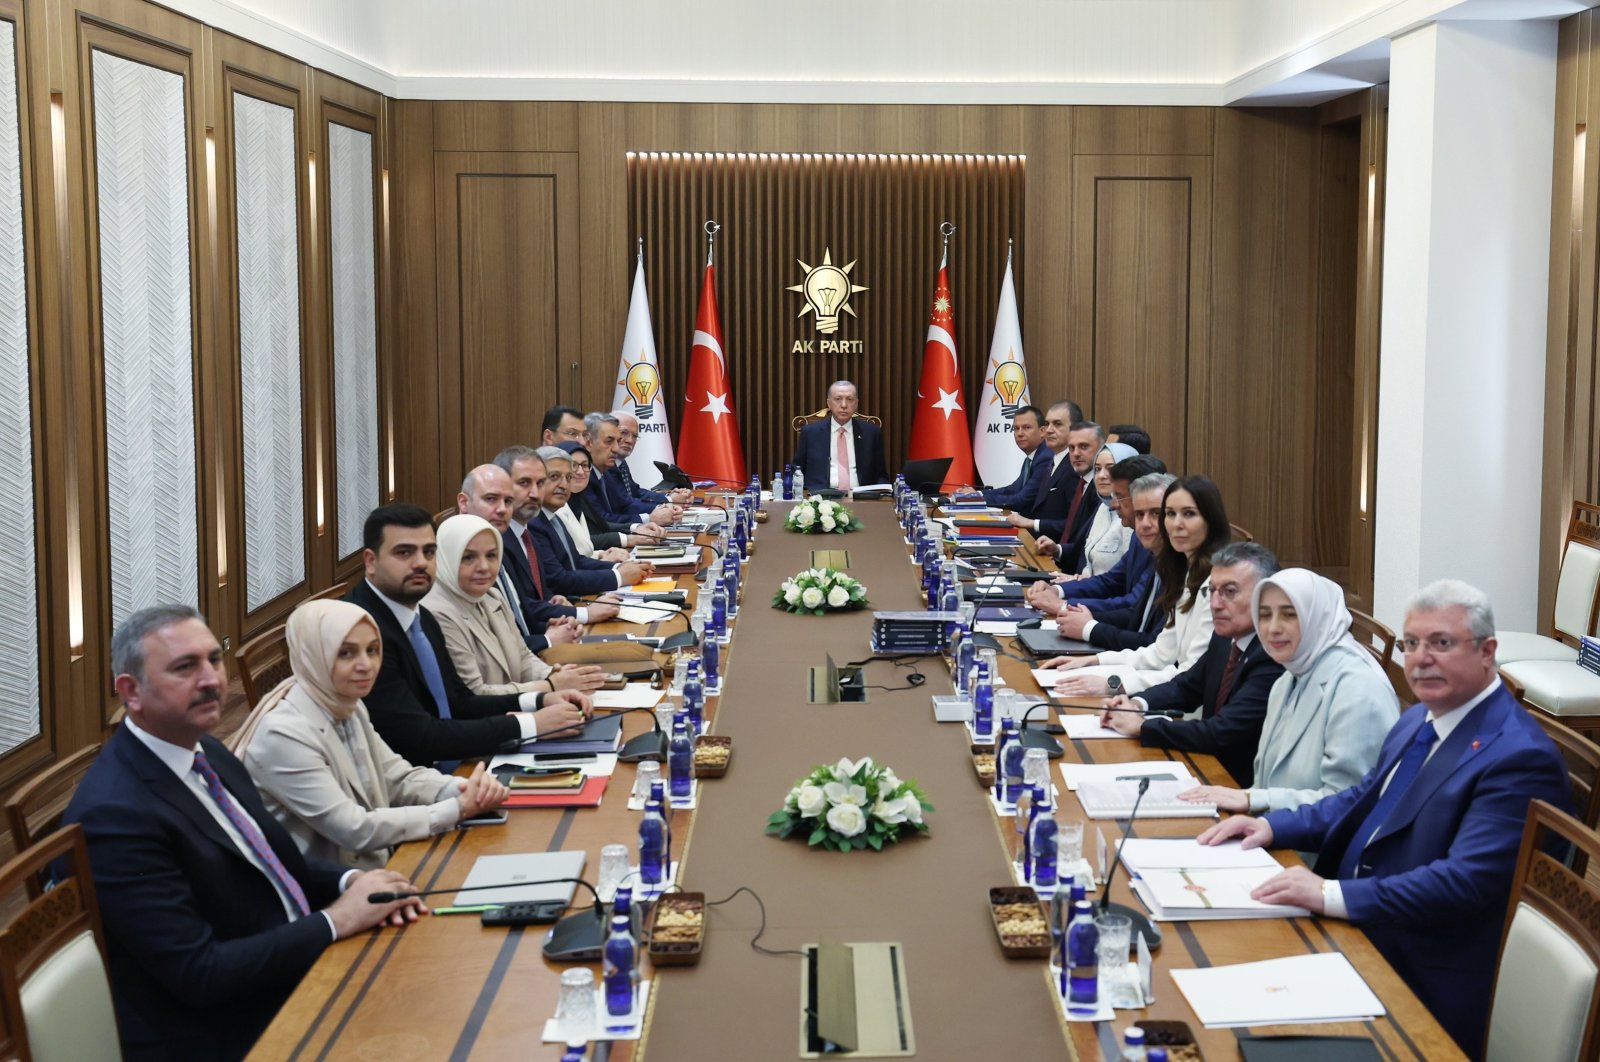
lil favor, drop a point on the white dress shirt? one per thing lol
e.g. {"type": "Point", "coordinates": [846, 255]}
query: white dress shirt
{"type": "Point", "coordinates": [180, 761]}
{"type": "Point", "coordinates": [526, 702]}
{"type": "Point", "coordinates": [834, 431]}
{"type": "Point", "coordinates": [1443, 726]}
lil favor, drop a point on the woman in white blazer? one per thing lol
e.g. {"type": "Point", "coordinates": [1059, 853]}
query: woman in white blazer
{"type": "Point", "coordinates": [1107, 539]}
{"type": "Point", "coordinates": [1194, 525]}
{"type": "Point", "coordinates": [479, 631]}
{"type": "Point", "coordinates": [322, 769]}
{"type": "Point", "coordinates": [1329, 711]}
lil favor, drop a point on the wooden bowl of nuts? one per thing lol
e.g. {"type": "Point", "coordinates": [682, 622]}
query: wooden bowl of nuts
{"type": "Point", "coordinates": [712, 753]}
{"type": "Point", "coordinates": [678, 929]}
{"type": "Point", "coordinates": [1175, 1037]}
{"type": "Point", "coordinates": [1020, 922]}
{"type": "Point", "coordinates": [983, 764]}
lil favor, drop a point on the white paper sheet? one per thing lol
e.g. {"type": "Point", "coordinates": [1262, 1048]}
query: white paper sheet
{"type": "Point", "coordinates": [633, 695]}
{"type": "Point", "coordinates": [1302, 988]}
{"type": "Point", "coordinates": [1073, 773]}
{"type": "Point", "coordinates": [642, 614]}
{"type": "Point", "coordinates": [1216, 892]}
{"type": "Point", "coordinates": [1085, 726]}
{"type": "Point", "coordinates": [1151, 853]}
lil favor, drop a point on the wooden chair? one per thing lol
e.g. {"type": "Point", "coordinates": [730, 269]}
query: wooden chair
{"type": "Point", "coordinates": [1240, 534]}
{"type": "Point", "coordinates": [1581, 755]}
{"type": "Point", "coordinates": [54, 990]}
{"type": "Point", "coordinates": [34, 811]}
{"type": "Point", "coordinates": [1577, 602]}
{"type": "Point", "coordinates": [444, 514]}
{"type": "Point", "coordinates": [263, 663]}
{"type": "Point", "coordinates": [806, 418]}
{"type": "Point", "coordinates": [1547, 982]}
{"type": "Point", "coordinates": [1377, 637]}
{"type": "Point", "coordinates": [332, 593]}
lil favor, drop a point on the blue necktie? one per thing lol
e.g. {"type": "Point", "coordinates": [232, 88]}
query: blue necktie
{"type": "Point", "coordinates": [628, 485]}
{"type": "Point", "coordinates": [509, 591]}
{"type": "Point", "coordinates": [566, 543]}
{"type": "Point", "coordinates": [430, 666]}
{"type": "Point", "coordinates": [1405, 773]}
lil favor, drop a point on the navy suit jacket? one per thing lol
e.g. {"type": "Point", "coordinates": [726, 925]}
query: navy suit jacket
{"type": "Point", "coordinates": [536, 611]}
{"type": "Point", "coordinates": [1024, 486]}
{"type": "Point", "coordinates": [1054, 504]}
{"type": "Point", "coordinates": [1120, 586]}
{"type": "Point", "coordinates": [201, 952]}
{"type": "Point", "coordinates": [608, 494]}
{"type": "Point", "coordinates": [1435, 879]}
{"type": "Point", "coordinates": [814, 454]}
{"type": "Point", "coordinates": [403, 710]}
{"type": "Point", "coordinates": [587, 578]}
{"type": "Point", "coordinates": [1129, 628]}
{"type": "Point", "coordinates": [629, 487]}
{"type": "Point", "coordinates": [1230, 731]}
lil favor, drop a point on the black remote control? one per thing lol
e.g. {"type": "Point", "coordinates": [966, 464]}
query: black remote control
{"type": "Point", "coordinates": [536, 913]}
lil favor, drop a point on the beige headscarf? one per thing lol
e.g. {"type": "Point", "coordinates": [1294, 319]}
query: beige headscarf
{"type": "Point", "coordinates": [314, 633]}
{"type": "Point", "coordinates": [455, 535]}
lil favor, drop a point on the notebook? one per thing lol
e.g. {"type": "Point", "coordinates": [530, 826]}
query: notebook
{"type": "Point", "coordinates": [1041, 642]}
{"type": "Point", "coordinates": [509, 870]}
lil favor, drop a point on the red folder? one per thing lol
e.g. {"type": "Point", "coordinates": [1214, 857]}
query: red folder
{"type": "Point", "coordinates": [586, 797]}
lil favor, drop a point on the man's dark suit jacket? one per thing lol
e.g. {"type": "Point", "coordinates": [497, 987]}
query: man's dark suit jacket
{"type": "Point", "coordinates": [1051, 504]}
{"type": "Point", "coordinates": [814, 454]}
{"type": "Point", "coordinates": [624, 485]}
{"type": "Point", "coordinates": [608, 495]}
{"type": "Point", "coordinates": [201, 952]}
{"type": "Point", "coordinates": [1230, 731]}
{"type": "Point", "coordinates": [536, 611]}
{"type": "Point", "coordinates": [586, 578]}
{"type": "Point", "coordinates": [1025, 485]}
{"type": "Point", "coordinates": [1118, 588]}
{"type": "Point", "coordinates": [403, 710]}
{"type": "Point", "coordinates": [1129, 628]}
{"type": "Point", "coordinates": [1436, 876]}
{"type": "Point", "coordinates": [602, 532]}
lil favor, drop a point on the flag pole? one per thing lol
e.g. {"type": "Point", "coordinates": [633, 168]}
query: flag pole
{"type": "Point", "coordinates": [947, 230]}
{"type": "Point", "coordinates": [1009, 242]}
{"type": "Point", "coordinates": [712, 228]}
{"type": "Point", "coordinates": [640, 256]}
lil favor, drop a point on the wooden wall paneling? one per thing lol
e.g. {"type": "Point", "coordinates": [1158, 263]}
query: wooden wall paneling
{"type": "Point", "coordinates": [1144, 130]}
{"type": "Point", "coordinates": [1057, 367]}
{"type": "Point", "coordinates": [237, 66]}
{"type": "Point", "coordinates": [1338, 197]}
{"type": "Point", "coordinates": [415, 347]}
{"type": "Point", "coordinates": [1141, 299]}
{"type": "Point", "coordinates": [153, 36]}
{"type": "Point", "coordinates": [508, 296]}
{"type": "Point", "coordinates": [1374, 114]}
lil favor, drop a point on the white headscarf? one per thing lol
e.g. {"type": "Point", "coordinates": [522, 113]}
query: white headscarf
{"type": "Point", "coordinates": [1324, 619]}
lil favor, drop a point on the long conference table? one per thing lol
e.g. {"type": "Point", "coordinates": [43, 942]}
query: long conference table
{"type": "Point", "coordinates": [449, 988]}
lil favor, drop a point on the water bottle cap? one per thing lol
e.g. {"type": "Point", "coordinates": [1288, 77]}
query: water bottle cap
{"type": "Point", "coordinates": [1133, 1035]}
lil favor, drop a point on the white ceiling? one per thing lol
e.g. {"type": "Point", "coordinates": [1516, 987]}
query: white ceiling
{"type": "Point", "coordinates": [1205, 52]}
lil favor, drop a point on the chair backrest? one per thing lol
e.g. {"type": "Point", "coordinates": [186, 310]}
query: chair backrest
{"type": "Point", "coordinates": [1240, 534]}
{"type": "Point", "coordinates": [1515, 688]}
{"type": "Point", "coordinates": [1583, 764]}
{"type": "Point", "coordinates": [444, 514]}
{"type": "Point", "coordinates": [34, 811]}
{"type": "Point", "coordinates": [1377, 637]}
{"type": "Point", "coordinates": [1577, 603]}
{"type": "Point", "coordinates": [263, 663]}
{"type": "Point", "coordinates": [1547, 982]}
{"type": "Point", "coordinates": [806, 418]}
{"type": "Point", "coordinates": [332, 593]}
{"type": "Point", "coordinates": [54, 990]}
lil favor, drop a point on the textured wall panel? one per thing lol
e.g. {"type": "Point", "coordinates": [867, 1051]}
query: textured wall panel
{"type": "Point", "coordinates": [19, 606]}
{"type": "Point", "coordinates": [355, 330]}
{"type": "Point", "coordinates": [269, 348]}
{"type": "Point", "coordinates": [142, 172]}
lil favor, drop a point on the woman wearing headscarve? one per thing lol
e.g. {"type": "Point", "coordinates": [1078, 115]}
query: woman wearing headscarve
{"type": "Point", "coordinates": [322, 769]}
{"type": "Point", "coordinates": [1329, 711]}
{"type": "Point", "coordinates": [1108, 537]}
{"type": "Point", "coordinates": [479, 631]}
{"type": "Point", "coordinates": [590, 532]}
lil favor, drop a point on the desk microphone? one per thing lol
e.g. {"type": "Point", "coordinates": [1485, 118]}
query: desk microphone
{"type": "Point", "coordinates": [1038, 739]}
{"type": "Point", "coordinates": [1141, 921]}
{"type": "Point", "coordinates": [575, 939]}
{"type": "Point", "coordinates": [672, 641]}
{"type": "Point", "coordinates": [651, 746]}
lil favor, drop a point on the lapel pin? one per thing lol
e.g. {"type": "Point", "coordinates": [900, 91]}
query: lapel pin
{"type": "Point", "coordinates": [1475, 744]}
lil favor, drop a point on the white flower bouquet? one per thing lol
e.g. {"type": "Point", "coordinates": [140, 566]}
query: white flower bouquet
{"type": "Point", "coordinates": [851, 805]}
{"type": "Point", "coordinates": [821, 516]}
{"type": "Point", "coordinates": [819, 590]}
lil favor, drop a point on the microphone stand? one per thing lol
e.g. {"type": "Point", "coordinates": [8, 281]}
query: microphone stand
{"type": "Point", "coordinates": [671, 641]}
{"type": "Point", "coordinates": [651, 746]}
{"type": "Point", "coordinates": [577, 938]}
{"type": "Point", "coordinates": [1142, 922]}
{"type": "Point", "coordinates": [1038, 739]}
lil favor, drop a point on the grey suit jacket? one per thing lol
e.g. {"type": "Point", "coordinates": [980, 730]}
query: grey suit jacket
{"type": "Point", "coordinates": [1323, 731]}
{"type": "Point", "coordinates": [310, 783]}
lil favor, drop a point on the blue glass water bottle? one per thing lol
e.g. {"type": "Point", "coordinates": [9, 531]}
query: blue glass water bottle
{"type": "Point", "coordinates": [966, 657]}
{"type": "Point", "coordinates": [658, 794]}
{"type": "Point", "coordinates": [1009, 763]}
{"type": "Point", "coordinates": [983, 705]}
{"type": "Point", "coordinates": [694, 694]}
{"type": "Point", "coordinates": [731, 574]}
{"type": "Point", "coordinates": [1042, 843]}
{"type": "Point", "coordinates": [711, 666]}
{"type": "Point", "coordinates": [1082, 971]}
{"type": "Point", "coordinates": [719, 614]}
{"type": "Point", "coordinates": [577, 1051]}
{"type": "Point", "coordinates": [653, 843]}
{"type": "Point", "coordinates": [680, 762]}
{"type": "Point", "coordinates": [1022, 824]}
{"type": "Point", "coordinates": [788, 483]}
{"type": "Point", "coordinates": [619, 971]}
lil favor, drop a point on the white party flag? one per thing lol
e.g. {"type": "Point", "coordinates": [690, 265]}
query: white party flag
{"type": "Point", "coordinates": [1005, 389]}
{"type": "Point", "coordinates": [639, 387]}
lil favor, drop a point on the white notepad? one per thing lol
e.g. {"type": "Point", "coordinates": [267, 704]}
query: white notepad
{"type": "Point", "coordinates": [509, 870]}
{"type": "Point", "coordinates": [1115, 800]}
{"type": "Point", "coordinates": [1301, 989]}
{"type": "Point", "coordinates": [1087, 725]}
{"type": "Point", "coordinates": [1075, 773]}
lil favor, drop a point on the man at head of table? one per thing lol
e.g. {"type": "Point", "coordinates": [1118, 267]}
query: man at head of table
{"type": "Point", "coordinates": [1420, 852]}
{"type": "Point", "coordinates": [843, 450]}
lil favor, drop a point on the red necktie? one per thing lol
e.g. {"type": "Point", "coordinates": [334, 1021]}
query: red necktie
{"type": "Point", "coordinates": [1225, 687]}
{"type": "Point", "coordinates": [1072, 513]}
{"type": "Point", "coordinates": [533, 561]}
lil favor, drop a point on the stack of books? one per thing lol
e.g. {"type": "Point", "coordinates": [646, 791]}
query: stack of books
{"type": "Point", "coordinates": [911, 633]}
{"type": "Point", "coordinates": [1589, 653]}
{"type": "Point", "coordinates": [984, 526]}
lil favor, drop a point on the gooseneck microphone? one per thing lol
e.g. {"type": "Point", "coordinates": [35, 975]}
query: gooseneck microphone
{"type": "Point", "coordinates": [1141, 921]}
{"type": "Point", "coordinates": [390, 897]}
{"type": "Point", "coordinates": [575, 939]}
{"type": "Point", "coordinates": [650, 746]}
{"type": "Point", "coordinates": [1038, 739]}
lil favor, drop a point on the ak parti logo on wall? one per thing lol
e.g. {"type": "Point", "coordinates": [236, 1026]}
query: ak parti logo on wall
{"type": "Point", "coordinates": [827, 289]}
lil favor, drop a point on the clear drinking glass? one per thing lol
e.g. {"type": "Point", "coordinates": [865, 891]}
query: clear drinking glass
{"type": "Point", "coordinates": [1036, 771]}
{"type": "Point", "coordinates": [1069, 846]}
{"type": "Point", "coordinates": [1117, 979]}
{"type": "Point", "coordinates": [614, 866]}
{"type": "Point", "coordinates": [575, 1007]}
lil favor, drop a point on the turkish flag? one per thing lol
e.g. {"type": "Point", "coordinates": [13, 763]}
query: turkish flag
{"type": "Point", "coordinates": [940, 424]}
{"type": "Point", "coordinates": [708, 438]}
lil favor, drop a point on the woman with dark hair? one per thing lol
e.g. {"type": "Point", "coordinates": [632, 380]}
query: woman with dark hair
{"type": "Point", "coordinates": [1194, 524]}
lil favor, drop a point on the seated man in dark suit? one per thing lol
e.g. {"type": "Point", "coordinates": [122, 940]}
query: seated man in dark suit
{"type": "Point", "coordinates": [1123, 585]}
{"type": "Point", "coordinates": [562, 424]}
{"type": "Point", "coordinates": [1063, 505]}
{"type": "Point", "coordinates": [212, 916]}
{"type": "Point", "coordinates": [1229, 684]}
{"type": "Point", "coordinates": [1027, 431]}
{"type": "Point", "coordinates": [627, 439]}
{"type": "Point", "coordinates": [608, 490]}
{"type": "Point", "coordinates": [563, 568]}
{"type": "Point", "coordinates": [844, 451]}
{"type": "Point", "coordinates": [1420, 853]}
{"type": "Point", "coordinates": [419, 704]}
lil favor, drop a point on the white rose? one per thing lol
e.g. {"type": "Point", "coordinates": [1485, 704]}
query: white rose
{"type": "Point", "coordinates": [827, 522]}
{"type": "Point", "coordinates": [804, 517]}
{"type": "Point", "coordinates": [811, 801]}
{"type": "Point", "coordinates": [839, 793]}
{"type": "Point", "coordinates": [838, 597]}
{"type": "Point", "coordinates": [847, 820]}
{"type": "Point", "coordinates": [891, 811]}
{"type": "Point", "coordinates": [791, 593]}
{"type": "Point", "coordinates": [888, 782]}
{"type": "Point", "coordinates": [844, 768]}
{"type": "Point", "coordinates": [829, 507]}
{"type": "Point", "coordinates": [792, 801]}
{"type": "Point", "coordinates": [811, 598]}
{"type": "Point", "coordinates": [913, 808]}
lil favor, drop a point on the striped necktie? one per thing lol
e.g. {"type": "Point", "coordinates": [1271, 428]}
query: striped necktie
{"type": "Point", "coordinates": [251, 833]}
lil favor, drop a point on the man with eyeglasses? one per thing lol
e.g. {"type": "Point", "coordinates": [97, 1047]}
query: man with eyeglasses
{"type": "Point", "coordinates": [1228, 685]}
{"type": "Point", "coordinates": [563, 424]}
{"type": "Point", "coordinates": [627, 439]}
{"type": "Point", "coordinates": [1420, 853]}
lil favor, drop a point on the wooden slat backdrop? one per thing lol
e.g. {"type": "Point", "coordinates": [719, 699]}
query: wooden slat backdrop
{"type": "Point", "coordinates": [880, 211]}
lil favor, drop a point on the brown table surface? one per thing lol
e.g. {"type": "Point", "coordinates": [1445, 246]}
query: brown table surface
{"type": "Point", "coordinates": [447, 988]}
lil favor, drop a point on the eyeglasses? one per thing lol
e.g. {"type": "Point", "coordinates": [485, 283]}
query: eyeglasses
{"type": "Point", "coordinates": [1438, 644]}
{"type": "Point", "coordinates": [580, 467]}
{"type": "Point", "coordinates": [571, 433]}
{"type": "Point", "coordinates": [1226, 592]}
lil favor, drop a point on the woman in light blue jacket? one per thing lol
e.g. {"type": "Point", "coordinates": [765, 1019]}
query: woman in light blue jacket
{"type": "Point", "coordinates": [1329, 711]}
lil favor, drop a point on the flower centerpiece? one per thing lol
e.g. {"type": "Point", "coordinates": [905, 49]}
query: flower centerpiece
{"type": "Point", "coordinates": [851, 805]}
{"type": "Point", "coordinates": [819, 590]}
{"type": "Point", "coordinates": [821, 516]}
